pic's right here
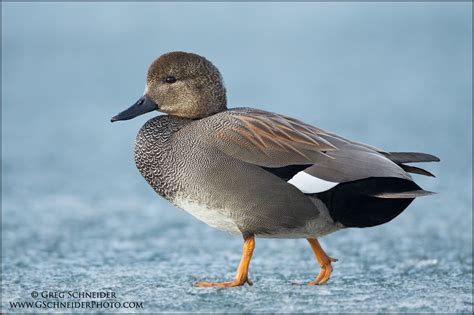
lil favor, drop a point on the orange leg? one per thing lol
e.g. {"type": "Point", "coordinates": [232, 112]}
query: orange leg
{"type": "Point", "coordinates": [324, 261]}
{"type": "Point", "coordinates": [241, 277]}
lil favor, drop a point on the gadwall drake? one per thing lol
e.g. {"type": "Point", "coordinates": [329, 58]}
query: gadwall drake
{"type": "Point", "coordinates": [255, 173]}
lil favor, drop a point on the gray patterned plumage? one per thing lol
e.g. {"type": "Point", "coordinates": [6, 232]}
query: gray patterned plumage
{"type": "Point", "coordinates": [182, 167]}
{"type": "Point", "coordinates": [257, 173]}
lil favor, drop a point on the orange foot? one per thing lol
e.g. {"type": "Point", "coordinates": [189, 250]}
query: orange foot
{"type": "Point", "coordinates": [235, 283]}
{"type": "Point", "coordinates": [241, 276]}
{"type": "Point", "coordinates": [324, 261]}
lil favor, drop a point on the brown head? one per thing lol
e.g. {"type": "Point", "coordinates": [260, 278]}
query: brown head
{"type": "Point", "coordinates": [180, 84]}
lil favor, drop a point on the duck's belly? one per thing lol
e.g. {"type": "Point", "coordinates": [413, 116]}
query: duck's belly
{"type": "Point", "coordinates": [214, 217]}
{"type": "Point", "coordinates": [219, 218]}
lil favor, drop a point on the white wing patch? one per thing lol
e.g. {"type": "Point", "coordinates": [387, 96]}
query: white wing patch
{"type": "Point", "coordinates": [310, 184]}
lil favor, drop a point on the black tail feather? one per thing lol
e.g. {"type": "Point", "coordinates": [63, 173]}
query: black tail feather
{"type": "Point", "coordinates": [356, 204]}
{"type": "Point", "coordinates": [410, 157]}
{"type": "Point", "coordinates": [415, 170]}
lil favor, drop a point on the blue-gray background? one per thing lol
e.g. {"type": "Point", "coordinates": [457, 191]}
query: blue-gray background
{"type": "Point", "coordinates": [78, 216]}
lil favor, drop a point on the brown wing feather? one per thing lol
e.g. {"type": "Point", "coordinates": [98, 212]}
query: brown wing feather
{"type": "Point", "coordinates": [273, 140]}
{"type": "Point", "coordinates": [261, 125]}
{"type": "Point", "coordinates": [265, 138]}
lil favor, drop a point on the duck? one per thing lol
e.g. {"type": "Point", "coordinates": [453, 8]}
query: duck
{"type": "Point", "coordinates": [260, 174]}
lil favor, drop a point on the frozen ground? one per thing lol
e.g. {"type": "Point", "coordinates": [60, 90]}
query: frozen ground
{"type": "Point", "coordinates": [76, 215]}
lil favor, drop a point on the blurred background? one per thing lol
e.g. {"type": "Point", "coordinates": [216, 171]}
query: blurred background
{"type": "Point", "coordinates": [78, 216]}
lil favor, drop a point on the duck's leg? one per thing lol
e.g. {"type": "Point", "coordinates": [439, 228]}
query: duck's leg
{"type": "Point", "coordinates": [241, 277]}
{"type": "Point", "coordinates": [324, 261]}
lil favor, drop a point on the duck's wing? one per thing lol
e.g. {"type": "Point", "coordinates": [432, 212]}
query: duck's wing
{"type": "Point", "coordinates": [281, 144]}
{"type": "Point", "coordinates": [265, 138]}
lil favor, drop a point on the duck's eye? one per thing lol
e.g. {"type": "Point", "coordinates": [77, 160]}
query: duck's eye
{"type": "Point", "coordinates": [170, 80]}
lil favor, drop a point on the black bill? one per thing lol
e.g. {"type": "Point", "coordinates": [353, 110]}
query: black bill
{"type": "Point", "coordinates": [142, 106]}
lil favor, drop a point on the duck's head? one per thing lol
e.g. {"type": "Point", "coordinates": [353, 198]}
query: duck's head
{"type": "Point", "coordinates": [180, 84]}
